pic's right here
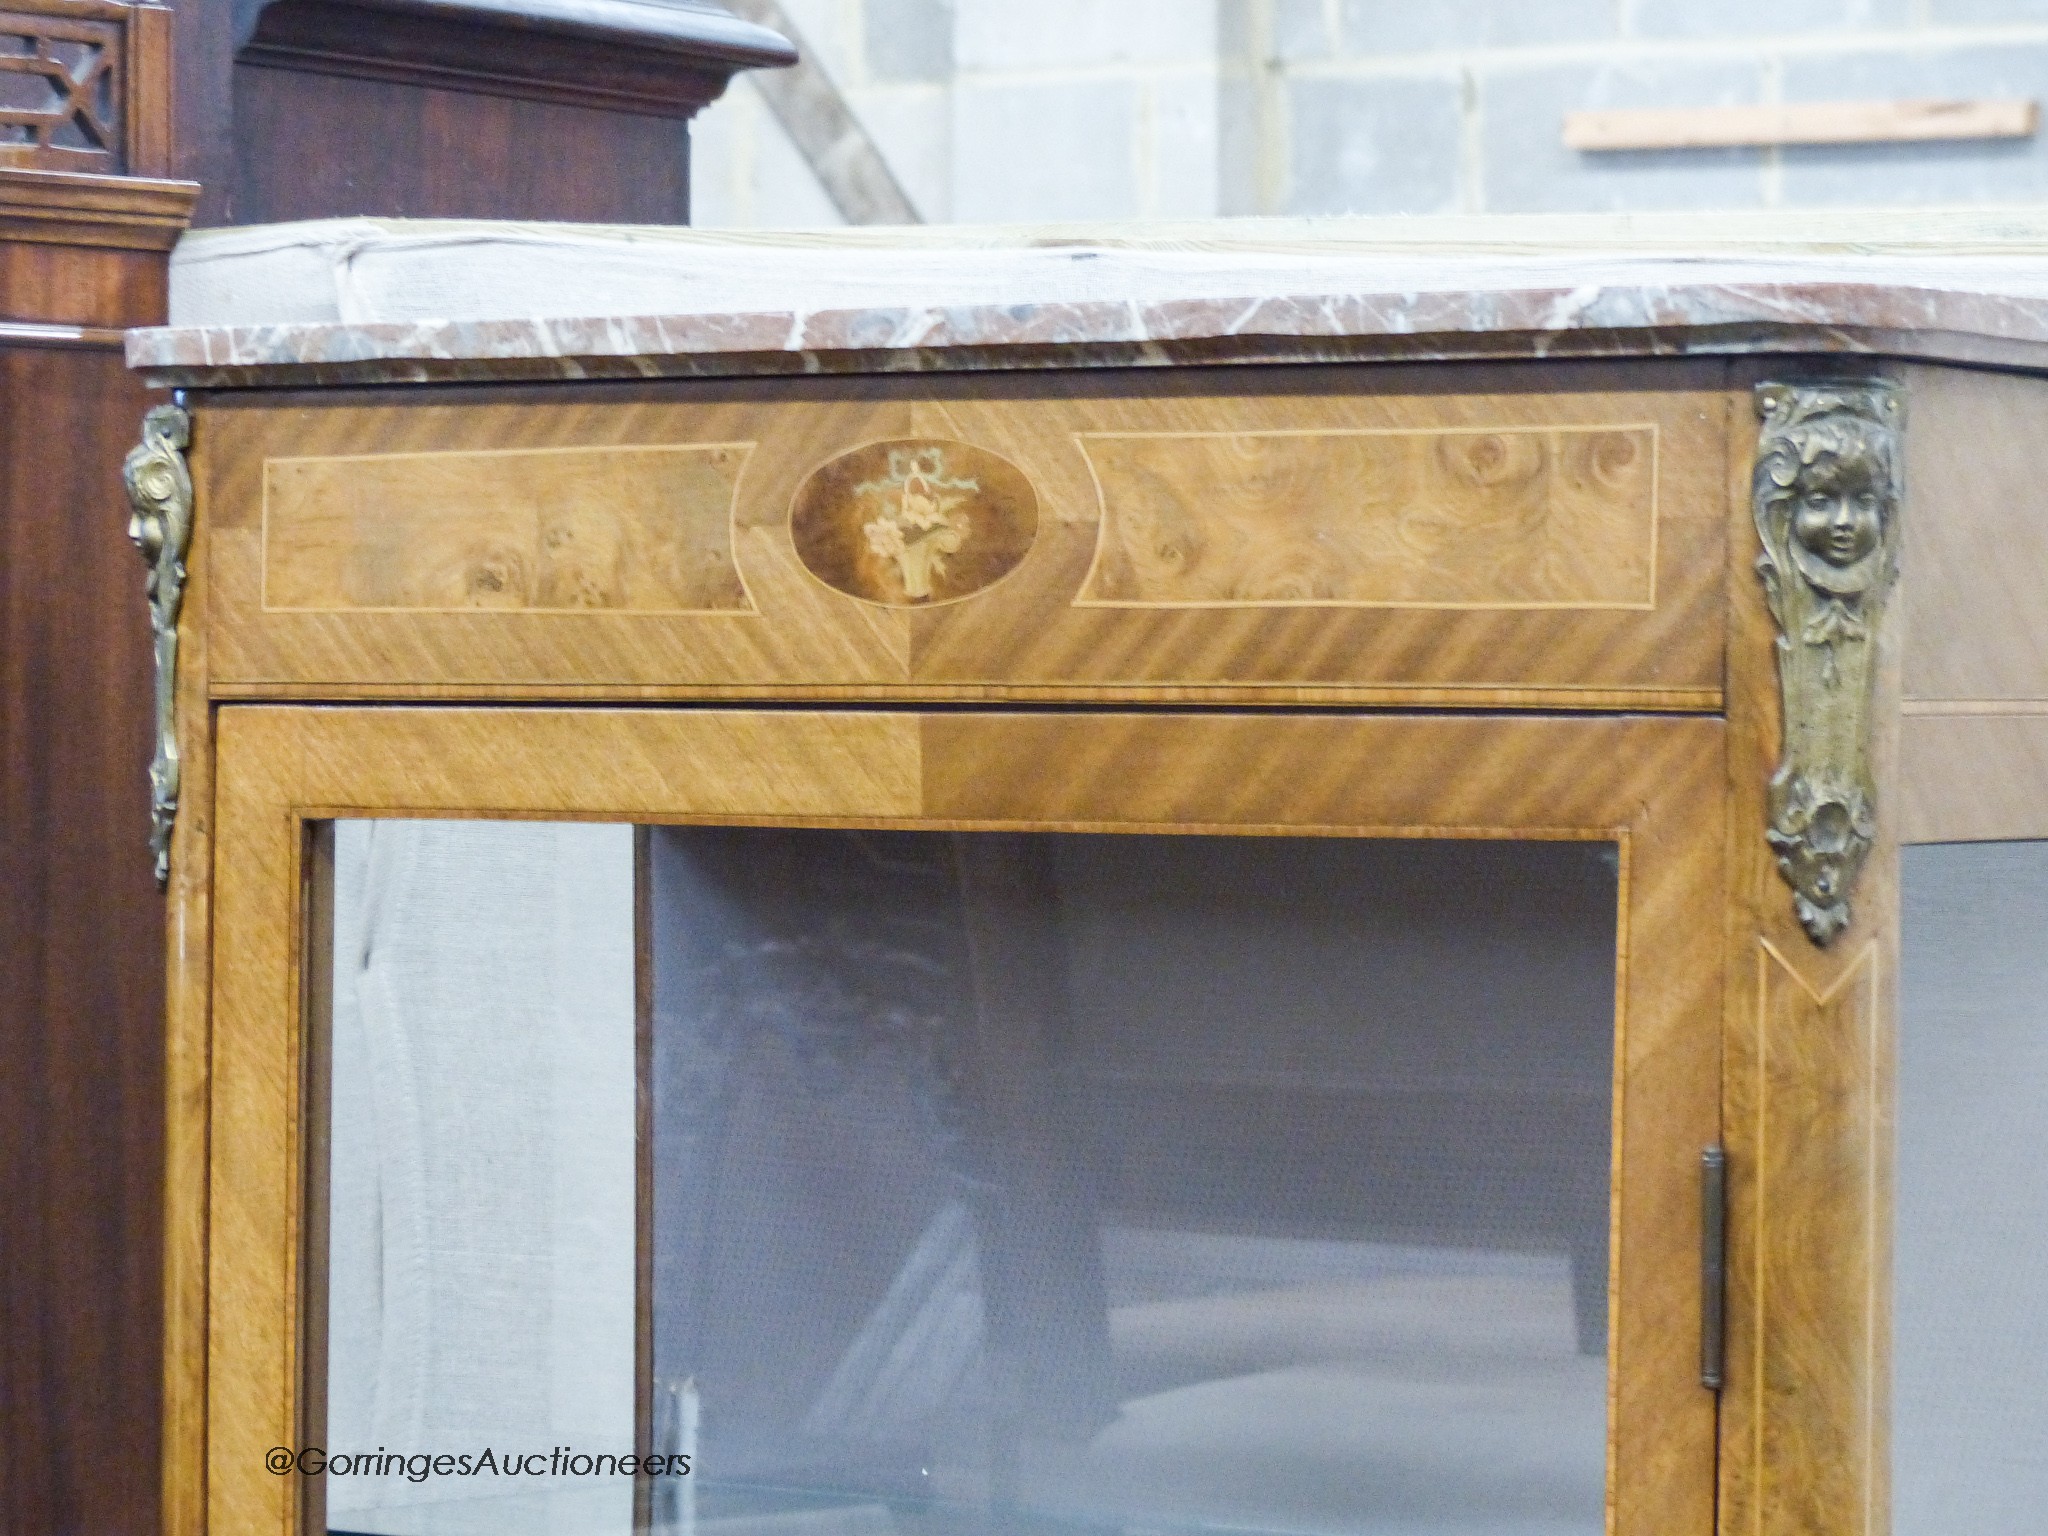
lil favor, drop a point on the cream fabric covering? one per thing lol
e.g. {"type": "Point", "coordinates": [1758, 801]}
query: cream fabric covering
{"type": "Point", "coordinates": [366, 270]}
{"type": "Point", "coordinates": [481, 1270]}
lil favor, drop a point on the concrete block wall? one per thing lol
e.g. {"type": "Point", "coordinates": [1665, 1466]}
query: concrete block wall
{"type": "Point", "coordinates": [1006, 110]}
{"type": "Point", "coordinates": [991, 110]}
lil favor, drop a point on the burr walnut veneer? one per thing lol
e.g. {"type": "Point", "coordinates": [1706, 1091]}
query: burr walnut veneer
{"type": "Point", "coordinates": [1435, 600]}
{"type": "Point", "coordinates": [1525, 540]}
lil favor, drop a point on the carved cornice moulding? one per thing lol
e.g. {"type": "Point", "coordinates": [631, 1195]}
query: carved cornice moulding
{"type": "Point", "coordinates": [1826, 491]}
{"type": "Point", "coordinates": [136, 213]}
{"type": "Point", "coordinates": [665, 60]}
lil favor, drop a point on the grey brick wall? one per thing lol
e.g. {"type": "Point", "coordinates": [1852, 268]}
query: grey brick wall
{"type": "Point", "coordinates": [1398, 147]}
{"type": "Point", "coordinates": [1018, 110]}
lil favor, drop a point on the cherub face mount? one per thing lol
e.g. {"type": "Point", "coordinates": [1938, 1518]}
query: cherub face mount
{"type": "Point", "coordinates": [1827, 503]}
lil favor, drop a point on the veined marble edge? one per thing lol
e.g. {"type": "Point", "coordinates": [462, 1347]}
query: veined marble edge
{"type": "Point", "coordinates": [1922, 346]}
{"type": "Point", "coordinates": [1932, 323]}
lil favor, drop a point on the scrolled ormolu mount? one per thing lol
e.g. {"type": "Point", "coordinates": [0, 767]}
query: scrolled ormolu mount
{"type": "Point", "coordinates": [160, 492]}
{"type": "Point", "coordinates": [1827, 505]}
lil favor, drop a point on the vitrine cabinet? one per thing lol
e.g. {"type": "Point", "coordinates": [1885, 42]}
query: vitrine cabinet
{"type": "Point", "coordinates": [1261, 926]}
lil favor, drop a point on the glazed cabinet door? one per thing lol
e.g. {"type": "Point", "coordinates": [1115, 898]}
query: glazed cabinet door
{"type": "Point", "coordinates": [733, 1122]}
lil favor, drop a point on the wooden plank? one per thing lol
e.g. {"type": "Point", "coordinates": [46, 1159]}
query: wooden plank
{"type": "Point", "coordinates": [1817, 122]}
{"type": "Point", "coordinates": [835, 144]}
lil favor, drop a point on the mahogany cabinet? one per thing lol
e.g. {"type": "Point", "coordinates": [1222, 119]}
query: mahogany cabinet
{"type": "Point", "coordinates": [545, 109]}
{"type": "Point", "coordinates": [87, 214]}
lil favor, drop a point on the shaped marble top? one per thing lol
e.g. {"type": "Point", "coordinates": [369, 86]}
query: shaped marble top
{"type": "Point", "coordinates": [374, 301]}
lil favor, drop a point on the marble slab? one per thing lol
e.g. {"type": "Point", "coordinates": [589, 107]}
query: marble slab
{"type": "Point", "coordinates": [423, 304]}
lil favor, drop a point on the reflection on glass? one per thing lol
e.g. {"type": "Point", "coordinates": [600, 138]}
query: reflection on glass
{"type": "Point", "coordinates": [1970, 1318]}
{"type": "Point", "coordinates": [480, 1276]}
{"type": "Point", "coordinates": [1142, 1184]}
{"type": "Point", "coordinates": [992, 1183]}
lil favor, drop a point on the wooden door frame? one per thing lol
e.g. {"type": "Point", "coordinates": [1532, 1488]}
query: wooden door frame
{"type": "Point", "coordinates": [1654, 785]}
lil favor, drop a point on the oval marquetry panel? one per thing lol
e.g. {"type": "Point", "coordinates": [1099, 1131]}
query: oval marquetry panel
{"type": "Point", "coordinates": [914, 521]}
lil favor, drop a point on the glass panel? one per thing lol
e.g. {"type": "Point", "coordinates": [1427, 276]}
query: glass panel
{"type": "Point", "coordinates": [1133, 1184]}
{"type": "Point", "coordinates": [993, 1183]}
{"type": "Point", "coordinates": [481, 1269]}
{"type": "Point", "coordinates": [1970, 1423]}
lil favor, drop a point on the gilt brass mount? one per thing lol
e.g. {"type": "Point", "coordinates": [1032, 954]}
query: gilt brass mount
{"type": "Point", "coordinates": [1827, 502]}
{"type": "Point", "coordinates": [160, 492]}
